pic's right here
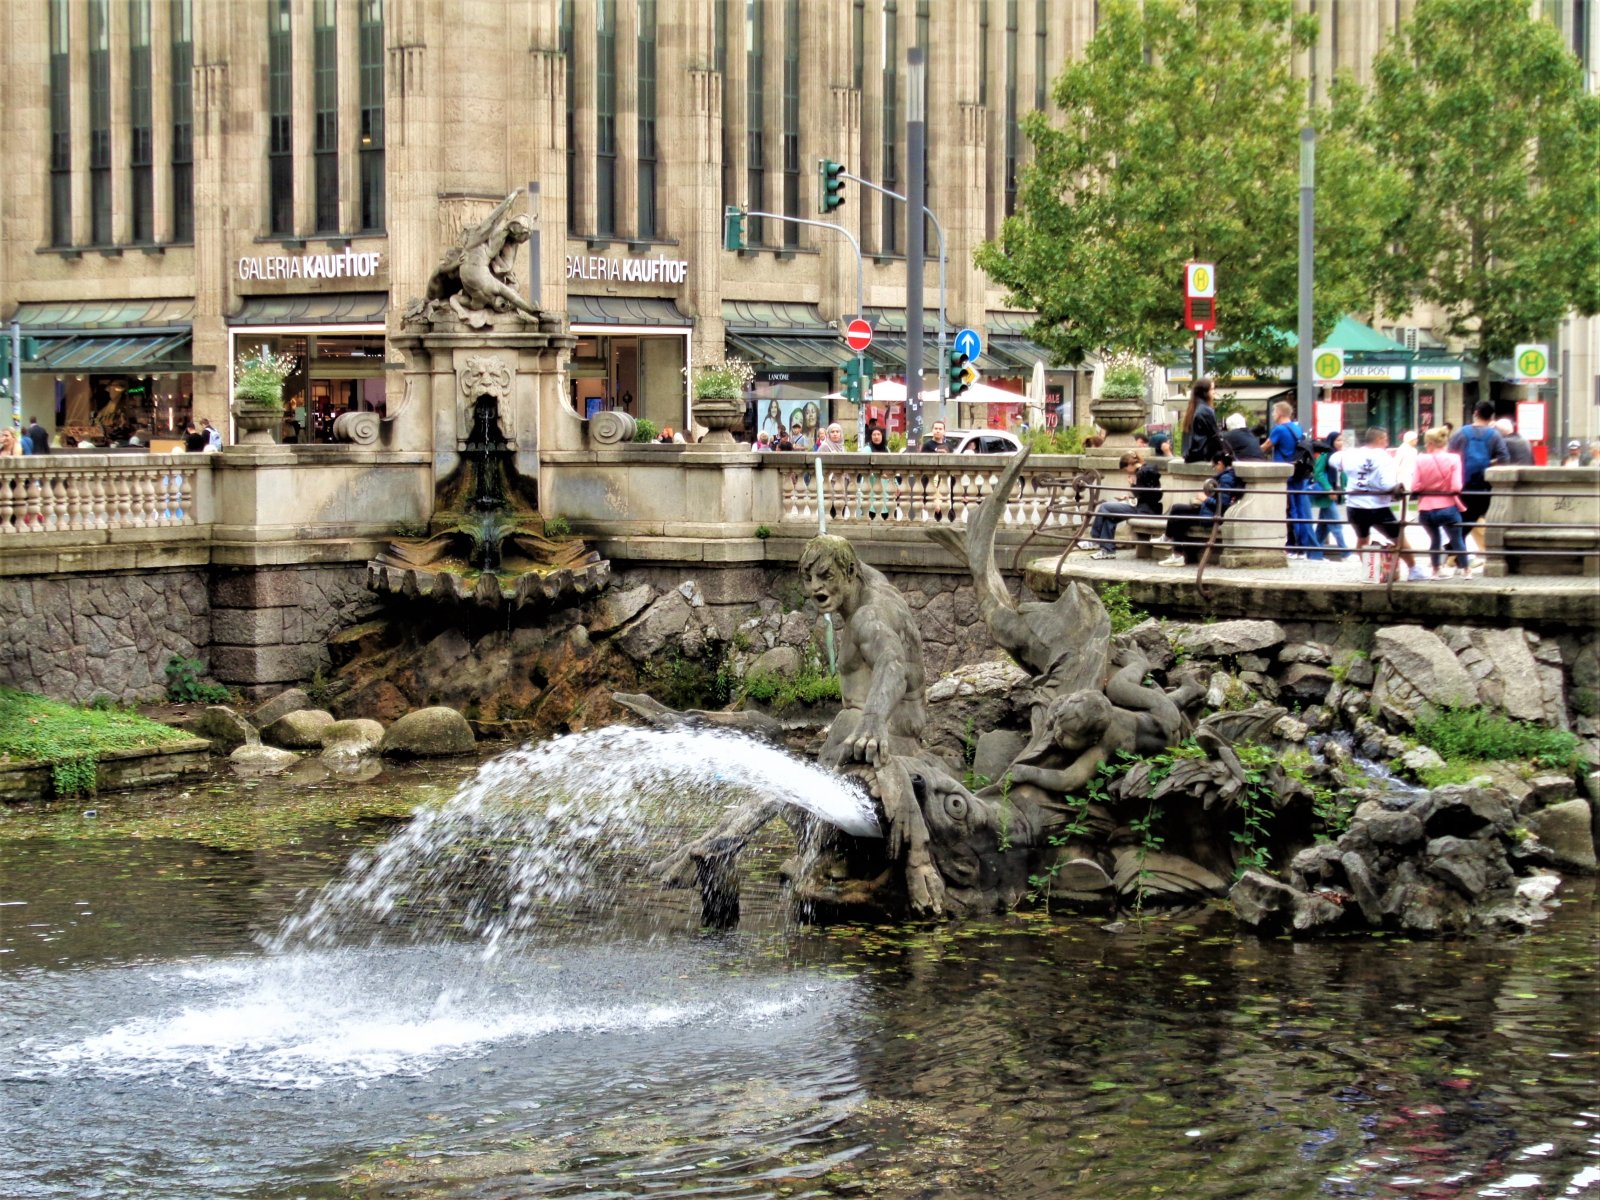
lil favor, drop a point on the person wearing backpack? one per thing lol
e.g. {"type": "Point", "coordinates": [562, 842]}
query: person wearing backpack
{"type": "Point", "coordinates": [1290, 445]}
{"type": "Point", "coordinates": [1479, 446]}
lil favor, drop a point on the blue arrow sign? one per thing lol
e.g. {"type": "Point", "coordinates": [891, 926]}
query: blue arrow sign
{"type": "Point", "coordinates": [969, 343]}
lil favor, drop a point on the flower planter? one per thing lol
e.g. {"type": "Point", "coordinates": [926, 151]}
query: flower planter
{"type": "Point", "coordinates": [258, 422]}
{"type": "Point", "coordinates": [720, 415]}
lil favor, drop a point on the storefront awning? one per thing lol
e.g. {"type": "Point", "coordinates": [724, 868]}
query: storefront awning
{"type": "Point", "coordinates": [106, 316]}
{"type": "Point", "coordinates": [136, 354]}
{"type": "Point", "coordinates": [789, 352]}
{"type": "Point", "coordinates": [321, 308]}
{"type": "Point", "coordinates": [624, 310]}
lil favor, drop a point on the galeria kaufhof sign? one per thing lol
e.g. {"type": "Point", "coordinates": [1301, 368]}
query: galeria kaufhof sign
{"type": "Point", "coordinates": [350, 264]}
{"type": "Point", "coordinates": [659, 269]}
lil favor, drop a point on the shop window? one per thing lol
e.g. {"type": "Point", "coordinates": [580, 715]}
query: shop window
{"type": "Point", "coordinates": [334, 373]}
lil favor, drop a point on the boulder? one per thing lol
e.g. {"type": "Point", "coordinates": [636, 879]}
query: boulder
{"type": "Point", "coordinates": [430, 733]}
{"type": "Point", "coordinates": [664, 621]}
{"type": "Point", "coordinates": [975, 698]}
{"type": "Point", "coordinates": [1224, 639]}
{"type": "Point", "coordinates": [1566, 832]}
{"type": "Point", "coordinates": [281, 705]}
{"type": "Point", "coordinates": [1511, 677]}
{"type": "Point", "coordinates": [1463, 811]}
{"type": "Point", "coordinates": [1548, 789]}
{"type": "Point", "coordinates": [1305, 652]}
{"type": "Point", "coordinates": [1260, 900]}
{"type": "Point", "coordinates": [1420, 759]}
{"type": "Point", "coordinates": [352, 738]}
{"type": "Point", "coordinates": [1417, 669]}
{"type": "Point", "coordinates": [1472, 866]}
{"type": "Point", "coordinates": [780, 660]}
{"type": "Point", "coordinates": [265, 759]}
{"type": "Point", "coordinates": [299, 730]}
{"type": "Point", "coordinates": [1152, 641]}
{"type": "Point", "coordinates": [997, 749]}
{"type": "Point", "coordinates": [1397, 829]}
{"type": "Point", "coordinates": [615, 609]}
{"type": "Point", "coordinates": [226, 729]}
{"type": "Point", "coordinates": [1305, 684]}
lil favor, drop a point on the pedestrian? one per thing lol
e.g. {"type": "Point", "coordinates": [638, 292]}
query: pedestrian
{"type": "Point", "coordinates": [37, 435]}
{"type": "Point", "coordinates": [1594, 455]}
{"type": "Point", "coordinates": [194, 442]}
{"type": "Point", "coordinates": [1161, 445]}
{"type": "Point", "coordinates": [1326, 493]}
{"type": "Point", "coordinates": [1285, 441]}
{"type": "Point", "coordinates": [1369, 500]}
{"type": "Point", "coordinates": [1239, 441]}
{"type": "Point", "coordinates": [1405, 459]}
{"type": "Point", "coordinates": [833, 441]}
{"type": "Point", "coordinates": [1143, 498]}
{"type": "Point", "coordinates": [936, 442]}
{"type": "Point", "coordinates": [1199, 425]}
{"type": "Point", "coordinates": [1479, 447]}
{"type": "Point", "coordinates": [879, 488]}
{"type": "Point", "coordinates": [1574, 457]}
{"type": "Point", "coordinates": [10, 443]}
{"type": "Point", "coordinates": [1438, 495]}
{"type": "Point", "coordinates": [1518, 452]}
{"type": "Point", "coordinates": [797, 437]}
{"type": "Point", "coordinates": [213, 434]}
{"type": "Point", "coordinates": [1189, 525]}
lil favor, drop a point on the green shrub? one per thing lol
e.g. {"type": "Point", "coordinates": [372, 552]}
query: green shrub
{"type": "Point", "coordinates": [645, 430]}
{"type": "Point", "coordinates": [763, 532]}
{"type": "Point", "coordinates": [684, 683]}
{"type": "Point", "coordinates": [185, 685]}
{"type": "Point", "coordinates": [1119, 607]}
{"type": "Point", "coordinates": [70, 739]}
{"type": "Point", "coordinates": [811, 684]}
{"type": "Point", "coordinates": [1056, 441]}
{"type": "Point", "coordinates": [1468, 734]}
{"type": "Point", "coordinates": [557, 527]}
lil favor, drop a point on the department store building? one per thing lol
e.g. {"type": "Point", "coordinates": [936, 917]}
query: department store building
{"type": "Point", "coordinates": [187, 179]}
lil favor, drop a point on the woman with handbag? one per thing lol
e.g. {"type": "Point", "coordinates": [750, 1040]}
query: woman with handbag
{"type": "Point", "coordinates": [1438, 494]}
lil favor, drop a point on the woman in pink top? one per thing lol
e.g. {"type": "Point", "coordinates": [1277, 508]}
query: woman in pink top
{"type": "Point", "coordinates": [1437, 489]}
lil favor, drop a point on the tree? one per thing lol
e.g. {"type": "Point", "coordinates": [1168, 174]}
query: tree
{"type": "Point", "coordinates": [1482, 110]}
{"type": "Point", "coordinates": [1177, 138]}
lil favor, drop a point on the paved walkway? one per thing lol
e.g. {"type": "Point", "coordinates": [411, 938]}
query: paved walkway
{"type": "Point", "coordinates": [1313, 590]}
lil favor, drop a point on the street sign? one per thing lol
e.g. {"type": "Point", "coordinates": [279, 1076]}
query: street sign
{"type": "Point", "coordinates": [1199, 297]}
{"type": "Point", "coordinates": [969, 375]}
{"type": "Point", "coordinates": [858, 334]}
{"type": "Point", "coordinates": [1327, 366]}
{"type": "Point", "coordinates": [1531, 363]}
{"type": "Point", "coordinates": [969, 343]}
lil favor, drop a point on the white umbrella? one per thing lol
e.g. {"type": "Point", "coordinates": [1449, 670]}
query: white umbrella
{"type": "Point", "coordinates": [1036, 395]}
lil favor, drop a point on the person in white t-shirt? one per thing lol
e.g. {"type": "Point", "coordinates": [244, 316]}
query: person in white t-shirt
{"type": "Point", "coordinates": [1369, 499]}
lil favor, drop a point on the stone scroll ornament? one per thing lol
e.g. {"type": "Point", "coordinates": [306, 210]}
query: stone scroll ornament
{"type": "Point", "coordinates": [611, 428]}
{"type": "Point", "coordinates": [357, 428]}
{"type": "Point", "coordinates": [477, 278]}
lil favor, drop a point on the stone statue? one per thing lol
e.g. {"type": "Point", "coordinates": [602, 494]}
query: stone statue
{"type": "Point", "coordinates": [478, 276]}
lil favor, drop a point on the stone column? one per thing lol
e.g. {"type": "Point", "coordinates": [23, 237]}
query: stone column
{"type": "Point", "coordinates": [586, 45]}
{"type": "Point", "coordinates": [161, 120]}
{"type": "Point", "coordinates": [303, 53]}
{"type": "Point", "coordinates": [121, 126]}
{"type": "Point", "coordinates": [627, 162]}
{"type": "Point", "coordinates": [226, 144]}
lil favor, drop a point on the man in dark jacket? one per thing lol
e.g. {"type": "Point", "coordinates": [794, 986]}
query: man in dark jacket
{"type": "Point", "coordinates": [1518, 452]}
{"type": "Point", "coordinates": [1240, 441]}
{"type": "Point", "coordinates": [38, 436]}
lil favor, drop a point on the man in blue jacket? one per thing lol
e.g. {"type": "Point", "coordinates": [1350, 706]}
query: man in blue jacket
{"type": "Point", "coordinates": [1283, 441]}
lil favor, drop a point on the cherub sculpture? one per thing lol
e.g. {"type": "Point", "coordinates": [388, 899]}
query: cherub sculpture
{"type": "Point", "coordinates": [478, 276]}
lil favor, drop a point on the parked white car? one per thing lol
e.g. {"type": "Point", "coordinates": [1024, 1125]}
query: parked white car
{"type": "Point", "coordinates": [983, 441]}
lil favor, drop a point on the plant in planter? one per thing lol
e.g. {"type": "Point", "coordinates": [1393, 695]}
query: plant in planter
{"type": "Point", "coordinates": [1119, 409]}
{"type": "Point", "coordinates": [258, 377]}
{"type": "Point", "coordinates": [719, 388]}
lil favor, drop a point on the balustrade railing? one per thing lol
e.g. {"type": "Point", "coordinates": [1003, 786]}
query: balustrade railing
{"type": "Point", "coordinates": [911, 491]}
{"type": "Point", "coordinates": [59, 493]}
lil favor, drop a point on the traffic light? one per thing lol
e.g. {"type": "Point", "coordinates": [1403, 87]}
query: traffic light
{"type": "Point", "coordinates": [831, 176]}
{"type": "Point", "coordinates": [852, 380]}
{"type": "Point", "coordinates": [733, 228]}
{"type": "Point", "coordinates": [959, 381]}
{"type": "Point", "coordinates": [30, 351]}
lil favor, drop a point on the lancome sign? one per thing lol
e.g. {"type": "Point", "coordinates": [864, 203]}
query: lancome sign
{"type": "Point", "coordinates": [350, 264]}
{"type": "Point", "coordinates": [659, 269]}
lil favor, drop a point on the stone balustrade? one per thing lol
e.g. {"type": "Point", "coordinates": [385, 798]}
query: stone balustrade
{"type": "Point", "coordinates": [60, 493]}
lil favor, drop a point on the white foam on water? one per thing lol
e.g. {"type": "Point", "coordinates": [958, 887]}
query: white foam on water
{"type": "Point", "coordinates": [547, 825]}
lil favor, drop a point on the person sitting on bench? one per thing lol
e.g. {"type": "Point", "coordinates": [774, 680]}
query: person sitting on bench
{"type": "Point", "coordinates": [1189, 525]}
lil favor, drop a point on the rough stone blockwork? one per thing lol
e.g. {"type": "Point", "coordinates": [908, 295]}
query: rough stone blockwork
{"type": "Point", "coordinates": [271, 626]}
{"type": "Point", "coordinates": [75, 637]}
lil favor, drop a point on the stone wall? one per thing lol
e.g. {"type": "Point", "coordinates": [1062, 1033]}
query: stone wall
{"type": "Point", "coordinates": [270, 625]}
{"type": "Point", "coordinates": [77, 636]}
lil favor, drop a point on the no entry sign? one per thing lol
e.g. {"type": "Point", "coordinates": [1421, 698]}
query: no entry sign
{"type": "Point", "coordinates": [858, 334]}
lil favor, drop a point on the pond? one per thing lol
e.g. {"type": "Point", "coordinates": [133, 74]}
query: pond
{"type": "Point", "coordinates": [151, 1045]}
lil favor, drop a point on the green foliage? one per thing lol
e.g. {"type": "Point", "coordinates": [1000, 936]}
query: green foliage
{"type": "Point", "coordinates": [811, 684]}
{"type": "Point", "coordinates": [1479, 107]}
{"type": "Point", "coordinates": [258, 377]}
{"type": "Point", "coordinates": [1123, 381]}
{"type": "Point", "coordinates": [645, 430]}
{"type": "Point", "coordinates": [722, 380]}
{"type": "Point", "coordinates": [897, 443]}
{"type": "Point", "coordinates": [1476, 734]}
{"type": "Point", "coordinates": [185, 684]}
{"type": "Point", "coordinates": [1119, 607]}
{"type": "Point", "coordinates": [1585, 701]}
{"type": "Point", "coordinates": [1340, 670]}
{"type": "Point", "coordinates": [70, 739]}
{"type": "Point", "coordinates": [557, 527]}
{"type": "Point", "coordinates": [1056, 441]}
{"type": "Point", "coordinates": [683, 683]}
{"type": "Point", "coordinates": [1176, 137]}
{"type": "Point", "coordinates": [1461, 771]}
{"type": "Point", "coordinates": [763, 532]}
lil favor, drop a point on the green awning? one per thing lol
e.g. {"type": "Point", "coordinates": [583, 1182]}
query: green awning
{"type": "Point", "coordinates": [783, 317]}
{"type": "Point", "coordinates": [624, 310]}
{"type": "Point", "coordinates": [106, 316]}
{"type": "Point", "coordinates": [138, 354]}
{"type": "Point", "coordinates": [776, 353]}
{"type": "Point", "coordinates": [322, 308]}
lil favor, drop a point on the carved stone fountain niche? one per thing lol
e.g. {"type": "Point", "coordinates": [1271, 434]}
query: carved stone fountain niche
{"type": "Point", "coordinates": [479, 363]}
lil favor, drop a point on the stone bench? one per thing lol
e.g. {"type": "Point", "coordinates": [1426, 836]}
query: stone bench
{"type": "Point", "coordinates": [1563, 506]}
{"type": "Point", "coordinates": [1246, 539]}
{"type": "Point", "coordinates": [1146, 534]}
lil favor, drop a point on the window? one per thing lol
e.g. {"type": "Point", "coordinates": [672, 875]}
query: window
{"type": "Point", "coordinates": [141, 143]}
{"type": "Point", "coordinates": [369, 35]}
{"type": "Point", "coordinates": [647, 119]}
{"type": "Point", "coordinates": [325, 104]}
{"type": "Point", "coordinates": [568, 47]}
{"type": "Point", "coordinates": [755, 109]}
{"type": "Point", "coordinates": [99, 123]}
{"type": "Point", "coordinates": [182, 85]}
{"type": "Point", "coordinates": [606, 119]}
{"type": "Point", "coordinates": [60, 128]}
{"type": "Point", "coordinates": [1040, 65]}
{"type": "Point", "coordinates": [983, 51]}
{"type": "Point", "coordinates": [791, 120]}
{"type": "Point", "coordinates": [280, 120]}
{"type": "Point", "coordinates": [890, 242]}
{"type": "Point", "coordinates": [858, 44]}
{"type": "Point", "coordinates": [922, 24]}
{"type": "Point", "coordinates": [1012, 132]}
{"type": "Point", "coordinates": [730, 182]}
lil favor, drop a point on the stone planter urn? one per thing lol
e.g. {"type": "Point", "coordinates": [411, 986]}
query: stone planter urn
{"type": "Point", "coordinates": [1119, 409]}
{"type": "Point", "coordinates": [721, 415]}
{"type": "Point", "coordinates": [257, 422]}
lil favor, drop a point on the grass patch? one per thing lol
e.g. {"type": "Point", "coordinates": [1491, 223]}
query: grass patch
{"type": "Point", "coordinates": [1462, 771]}
{"type": "Point", "coordinates": [71, 739]}
{"type": "Point", "coordinates": [811, 684]}
{"type": "Point", "coordinates": [1476, 734]}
